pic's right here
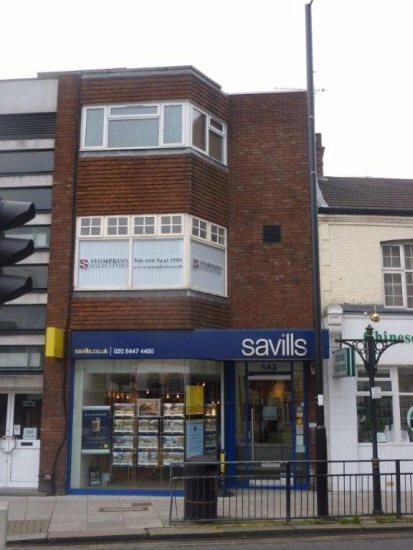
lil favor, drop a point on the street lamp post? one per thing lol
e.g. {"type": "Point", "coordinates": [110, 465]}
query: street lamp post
{"type": "Point", "coordinates": [370, 351]}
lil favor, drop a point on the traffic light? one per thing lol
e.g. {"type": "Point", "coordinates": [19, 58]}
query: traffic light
{"type": "Point", "coordinates": [13, 214]}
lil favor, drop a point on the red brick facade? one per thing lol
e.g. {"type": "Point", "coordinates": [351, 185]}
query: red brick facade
{"type": "Point", "coordinates": [269, 283]}
{"type": "Point", "coordinates": [266, 182]}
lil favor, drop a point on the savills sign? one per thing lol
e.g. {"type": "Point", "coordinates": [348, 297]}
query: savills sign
{"type": "Point", "coordinates": [225, 344]}
{"type": "Point", "coordinates": [286, 345]}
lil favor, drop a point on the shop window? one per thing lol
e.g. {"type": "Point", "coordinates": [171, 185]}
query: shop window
{"type": "Point", "coordinates": [130, 422]}
{"type": "Point", "coordinates": [393, 425]}
{"type": "Point", "coordinates": [40, 196]}
{"type": "Point", "coordinates": [40, 235]}
{"type": "Point", "coordinates": [397, 264]}
{"type": "Point", "coordinates": [21, 358]}
{"type": "Point", "coordinates": [149, 125]}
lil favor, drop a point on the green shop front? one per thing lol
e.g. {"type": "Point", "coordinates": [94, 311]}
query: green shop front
{"type": "Point", "coordinates": [143, 400]}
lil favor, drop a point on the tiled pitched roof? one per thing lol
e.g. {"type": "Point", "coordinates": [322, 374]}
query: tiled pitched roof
{"type": "Point", "coordinates": [367, 193]}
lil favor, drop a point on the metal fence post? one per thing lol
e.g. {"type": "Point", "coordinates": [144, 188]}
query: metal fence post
{"type": "Point", "coordinates": [398, 492]}
{"type": "Point", "coordinates": [288, 491]}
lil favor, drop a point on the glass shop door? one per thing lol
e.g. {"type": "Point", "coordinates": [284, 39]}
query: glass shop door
{"type": "Point", "coordinates": [271, 422]}
{"type": "Point", "coordinates": [270, 430]}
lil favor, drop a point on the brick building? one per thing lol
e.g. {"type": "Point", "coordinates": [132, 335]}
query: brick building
{"type": "Point", "coordinates": [180, 269]}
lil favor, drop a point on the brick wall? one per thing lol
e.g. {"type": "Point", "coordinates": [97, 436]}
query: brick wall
{"type": "Point", "coordinates": [269, 284]}
{"type": "Point", "coordinates": [155, 88]}
{"type": "Point", "coordinates": [152, 185]}
{"type": "Point", "coordinates": [60, 280]}
{"type": "Point", "coordinates": [183, 313]}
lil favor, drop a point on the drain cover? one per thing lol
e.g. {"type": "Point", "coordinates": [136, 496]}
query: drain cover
{"type": "Point", "coordinates": [133, 507]}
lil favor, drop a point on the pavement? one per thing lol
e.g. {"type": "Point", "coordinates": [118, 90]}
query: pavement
{"type": "Point", "coordinates": [92, 518]}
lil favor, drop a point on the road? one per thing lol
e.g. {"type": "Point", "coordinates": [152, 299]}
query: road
{"type": "Point", "coordinates": [386, 541]}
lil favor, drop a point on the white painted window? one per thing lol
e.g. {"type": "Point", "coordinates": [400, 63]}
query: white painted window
{"type": "Point", "coordinates": [218, 234]}
{"type": "Point", "coordinates": [117, 225]}
{"type": "Point", "coordinates": [153, 125]}
{"type": "Point", "coordinates": [155, 251]}
{"type": "Point", "coordinates": [396, 384]}
{"type": "Point", "coordinates": [144, 225]}
{"type": "Point", "coordinates": [199, 228]}
{"type": "Point", "coordinates": [171, 225]}
{"type": "Point", "coordinates": [397, 265]}
{"type": "Point", "coordinates": [209, 134]}
{"type": "Point", "coordinates": [91, 227]}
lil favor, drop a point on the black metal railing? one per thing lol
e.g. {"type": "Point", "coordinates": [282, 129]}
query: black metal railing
{"type": "Point", "coordinates": [233, 491]}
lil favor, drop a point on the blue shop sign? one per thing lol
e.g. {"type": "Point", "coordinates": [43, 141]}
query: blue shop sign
{"type": "Point", "coordinates": [219, 344]}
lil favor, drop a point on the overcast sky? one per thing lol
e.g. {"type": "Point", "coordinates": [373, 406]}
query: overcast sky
{"type": "Point", "coordinates": [362, 58]}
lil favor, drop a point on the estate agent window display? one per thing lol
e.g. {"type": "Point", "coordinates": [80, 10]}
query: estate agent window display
{"type": "Point", "coordinates": [132, 420]}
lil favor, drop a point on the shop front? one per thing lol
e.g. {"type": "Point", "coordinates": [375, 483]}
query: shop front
{"type": "Point", "coordinates": [347, 414]}
{"type": "Point", "coordinates": [142, 400]}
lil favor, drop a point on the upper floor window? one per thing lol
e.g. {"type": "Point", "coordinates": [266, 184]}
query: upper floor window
{"type": "Point", "coordinates": [40, 196]}
{"type": "Point", "coordinates": [208, 134]}
{"type": "Point", "coordinates": [397, 263]}
{"type": "Point", "coordinates": [26, 162]}
{"type": "Point", "coordinates": [21, 357]}
{"type": "Point", "coordinates": [156, 251]}
{"type": "Point", "coordinates": [153, 125]}
{"type": "Point", "coordinates": [39, 233]}
{"type": "Point", "coordinates": [22, 317]}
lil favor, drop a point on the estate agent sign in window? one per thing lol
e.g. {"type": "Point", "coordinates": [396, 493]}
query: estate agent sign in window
{"type": "Point", "coordinates": [150, 252]}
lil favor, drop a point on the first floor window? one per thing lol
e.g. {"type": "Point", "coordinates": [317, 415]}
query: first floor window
{"type": "Point", "coordinates": [397, 264]}
{"type": "Point", "coordinates": [160, 251]}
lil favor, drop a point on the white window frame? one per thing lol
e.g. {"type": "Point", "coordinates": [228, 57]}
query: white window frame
{"type": "Point", "coordinates": [145, 217]}
{"type": "Point", "coordinates": [396, 270]}
{"type": "Point", "coordinates": [91, 236]}
{"type": "Point", "coordinates": [185, 235]}
{"type": "Point", "coordinates": [117, 217]}
{"type": "Point", "coordinates": [395, 394]}
{"type": "Point", "coordinates": [209, 127]}
{"type": "Point", "coordinates": [186, 121]}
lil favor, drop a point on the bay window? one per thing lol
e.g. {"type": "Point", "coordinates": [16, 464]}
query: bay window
{"type": "Point", "coordinates": [153, 125]}
{"type": "Point", "coordinates": [163, 251]}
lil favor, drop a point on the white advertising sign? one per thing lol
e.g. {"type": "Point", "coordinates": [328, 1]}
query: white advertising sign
{"type": "Point", "coordinates": [207, 268]}
{"type": "Point", "coordinates": [103, 264]}
{"type": "Point", "coordinates": [158, 263]}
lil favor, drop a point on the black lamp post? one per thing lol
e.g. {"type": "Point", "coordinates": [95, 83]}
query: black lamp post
{"type": "Point", "coordinates": [370, 351]}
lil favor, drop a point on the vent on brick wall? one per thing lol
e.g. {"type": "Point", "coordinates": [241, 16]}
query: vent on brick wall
{"type": "Point", "coordinates": [271, 233]}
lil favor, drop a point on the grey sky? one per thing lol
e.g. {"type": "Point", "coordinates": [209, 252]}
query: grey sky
{"type": "Point", "coordinates": [362, 58]}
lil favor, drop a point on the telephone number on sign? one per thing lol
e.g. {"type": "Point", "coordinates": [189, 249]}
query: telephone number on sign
{"type": "Point", "coordinates": [133, 351]}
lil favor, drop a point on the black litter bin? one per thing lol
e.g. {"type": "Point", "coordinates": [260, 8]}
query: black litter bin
{"type": "Point", "coordinates": [200, 488]}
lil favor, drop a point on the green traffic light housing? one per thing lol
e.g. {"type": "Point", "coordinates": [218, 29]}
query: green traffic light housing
{"type": "Point", "coordinates": [14, 214]}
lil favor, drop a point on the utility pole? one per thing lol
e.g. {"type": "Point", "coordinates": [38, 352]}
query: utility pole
{"type": "Point", "coordinates": [321, 436]}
